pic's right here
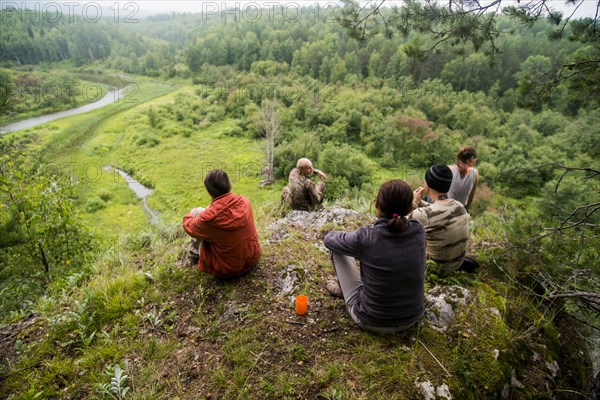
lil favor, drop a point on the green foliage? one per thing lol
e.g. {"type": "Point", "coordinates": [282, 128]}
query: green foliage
{"type": "Point", "coordinates": [32, 93]}
{"type": "Point", "coordinates": [43, 207]}
{"type": "Point", "coordinates": [336, 187]}
{"type": "Point", "coordinates": [32, 394]}
{"type": "Point", "coordinates": [43, 238]}
{"type": "Point", "coordinates": [94, 204]}
{"type": "Point", "coordinates": [37, 38]}
{"type": "Point", "coordinates": [472, 118]}
{"type": "Point", "coordinates": [147, 140]}
{"type": "Point", "coordinates": [269, 68]}
{"type": "Point", "coordinates": [126, 306]}
{"type": "Point", "coordinates": [236, 131]}
{"type": "Point", "coordinates": [346, 162]}
{"type": "Point", "coordinates": [118, 387]}
{"type": "Point", "coordinates": [152, 118]}
{"type": "Point", "coordinates": [287, 153]}
{"type": "Point", "coordinates": [549, 122]}
{"type": "Point", "coordinates": [472, 73]}
{"type": "Point", "coordinates": [473, 27]}
{"type": "Point", "coordinates": [534, 77]}
{"type": "Point", "coordinates": [6, 90]}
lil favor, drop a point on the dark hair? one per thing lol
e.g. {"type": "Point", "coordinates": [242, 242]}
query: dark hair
{"type": "Point", "coordinates": [217, 183]}
{"type": "Point", "coordinates": [466, 153]}
{"type": "Point", "coordinates": [394, 201]}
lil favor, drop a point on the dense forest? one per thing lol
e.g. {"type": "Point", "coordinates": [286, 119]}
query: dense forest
{"type": "Point", "coordinates": [364, 109]}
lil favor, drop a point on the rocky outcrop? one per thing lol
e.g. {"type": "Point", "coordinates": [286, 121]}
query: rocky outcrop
{"type": "Point", "coordinates": [469, 335]}
{"type": "Point", "coordinates": [440, 303]}
{"type": "Point", "coordinates": [314, 221]}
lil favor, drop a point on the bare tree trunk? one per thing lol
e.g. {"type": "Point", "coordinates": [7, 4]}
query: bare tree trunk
{"type": "Point", "coordinates": [44, 261]}
{"type": "Point", "coordinates": [272, 131]}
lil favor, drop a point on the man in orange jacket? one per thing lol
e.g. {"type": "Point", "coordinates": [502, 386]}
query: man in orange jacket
{"type": "Point", "coordinates": [224, 233]}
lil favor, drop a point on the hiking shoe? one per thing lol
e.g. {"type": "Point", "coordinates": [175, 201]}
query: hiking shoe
{"type": "Point", "coordinates": [469, 265]}
{"type": "Point", "coordinates": [334, 289]}
{"type": "Point", "coordinates": [193, 260]}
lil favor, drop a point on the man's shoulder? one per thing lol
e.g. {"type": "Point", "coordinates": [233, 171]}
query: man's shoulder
{"type": "Point", "coordinates": [438, 212]}
{"type": "Point", "coordinates": [454, 204]}
{"type": "Point", "coordinates": [295, 175]}
{"type": "Point", "coordinates": [456, 211]}
{"type": "Point", "coordinates": [422, 214]}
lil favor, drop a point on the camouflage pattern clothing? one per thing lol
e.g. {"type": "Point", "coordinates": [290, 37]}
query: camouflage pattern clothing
{"type": "Point", "coordinates": [302, 193]}
{"type": "Point", "coordinates": [446, 232]}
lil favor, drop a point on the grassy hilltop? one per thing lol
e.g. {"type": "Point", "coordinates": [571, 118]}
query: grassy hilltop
{"type": "Point", "coordinates": [177, 333]}
{"type": "Point", "coordinates": [134, 323]}
{"type": "Point", "coordinates": [94, 300]}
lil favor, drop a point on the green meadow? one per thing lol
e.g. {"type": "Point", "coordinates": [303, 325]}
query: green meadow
{"type": "Point", "coordinates": [172, 165]}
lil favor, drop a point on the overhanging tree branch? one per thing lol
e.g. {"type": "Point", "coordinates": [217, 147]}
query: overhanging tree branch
{"type": "Point", "coordinates": [464, 22]}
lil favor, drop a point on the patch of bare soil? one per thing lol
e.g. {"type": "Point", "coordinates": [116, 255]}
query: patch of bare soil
{"type": "Point", "coordinates": [27, 330]}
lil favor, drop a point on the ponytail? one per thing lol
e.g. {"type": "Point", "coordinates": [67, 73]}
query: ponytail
{"type": "Point", "coordinates": [393, 202]}
{"type": "Point", "coordinates": [397, 223]}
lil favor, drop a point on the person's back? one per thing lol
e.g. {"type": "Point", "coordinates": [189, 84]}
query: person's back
{"type": "Point", "coordinates": [464, 176]}
{"type": "Point", "coordinates": [299, 186]}
{"type": "Point", "coordinates": [386, 294]}
{"type": "Point", "coordinates": [446, 232]}
{"type": "Point", "coordinates": [392, 271]}
{"type": "Point", "coordinates": [462, 184]}
{"type": "Point", "coordinates": [230, 240]}
{"type": "Point", "coordinates": [227, 240]}
{"type": "Point", "coordinates": [446, 220]}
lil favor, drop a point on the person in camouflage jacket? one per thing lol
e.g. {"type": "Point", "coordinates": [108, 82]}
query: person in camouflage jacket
{"type": "Point", "coordinates": [446, 220]}
{"type": "Point", "coordinates": [302, 193]}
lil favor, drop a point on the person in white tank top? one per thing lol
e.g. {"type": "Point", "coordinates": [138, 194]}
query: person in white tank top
{"type": "Point", "coordinates": [464, 176]}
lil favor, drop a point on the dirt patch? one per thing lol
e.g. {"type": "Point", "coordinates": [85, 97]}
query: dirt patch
{"type": "Point", "coordinates": [25, 331]}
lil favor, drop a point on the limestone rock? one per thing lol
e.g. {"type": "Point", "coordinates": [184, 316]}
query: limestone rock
{"type": "Point", "coordinates": [440, 303]}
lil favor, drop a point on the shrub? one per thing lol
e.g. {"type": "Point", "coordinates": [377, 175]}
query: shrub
{"type": "Point", "coordinates": [347, 162]}
{"type": "Point", "coordinates": [147, 141]}
{"type": "Point", "coordinates": [336, 187]}
{"type": "Point", "coordinates": [287, 153]}
{"type": "Point", "coordinates": [105, 194]}
{"type": "Point", "coordinates": [236, 131]}
{"type": "Point", "coordinates": [94, 204]}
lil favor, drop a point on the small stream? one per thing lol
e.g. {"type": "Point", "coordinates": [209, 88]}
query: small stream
{"type": "Point", "coordinates": [112, 96]}
{"type": "Point", "coordinates": [140, 191]}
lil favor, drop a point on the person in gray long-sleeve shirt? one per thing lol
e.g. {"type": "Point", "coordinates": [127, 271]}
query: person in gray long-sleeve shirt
{"type": "Point", "coordinates": [385, 294]}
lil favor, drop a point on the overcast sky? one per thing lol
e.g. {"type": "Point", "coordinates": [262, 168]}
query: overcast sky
{"type": "Point", "coordinates": [324, 8]}
{"type": "Point", "coordinates": [587, 9]}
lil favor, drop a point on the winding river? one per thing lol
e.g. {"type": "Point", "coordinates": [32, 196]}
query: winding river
{"type": "Point", "coordinates": [140, 191]}
{"type": "Point", "coordinates": [113, 95]}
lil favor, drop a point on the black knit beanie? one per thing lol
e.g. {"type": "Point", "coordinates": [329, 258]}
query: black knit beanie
{"type": "Point", "coordinates": [439, 178]}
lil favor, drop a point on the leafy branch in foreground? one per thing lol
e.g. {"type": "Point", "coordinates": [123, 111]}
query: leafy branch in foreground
{"type": "Point", "coordinates": [39, 219]}
{"type": "Point", "coordinates": [557, 247]}
{"type": "Point", "coordinates": [460, 23]}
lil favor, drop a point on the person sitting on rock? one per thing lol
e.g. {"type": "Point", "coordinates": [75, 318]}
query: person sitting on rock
{"type": "Point", "coordinates": [302, 193]}
{"type": "Point", "coordinates": [446, 222]}
{"type": "Point", "coordinates": [225, 241]}
{"type": "Point", "coordinates": [385, 292]}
